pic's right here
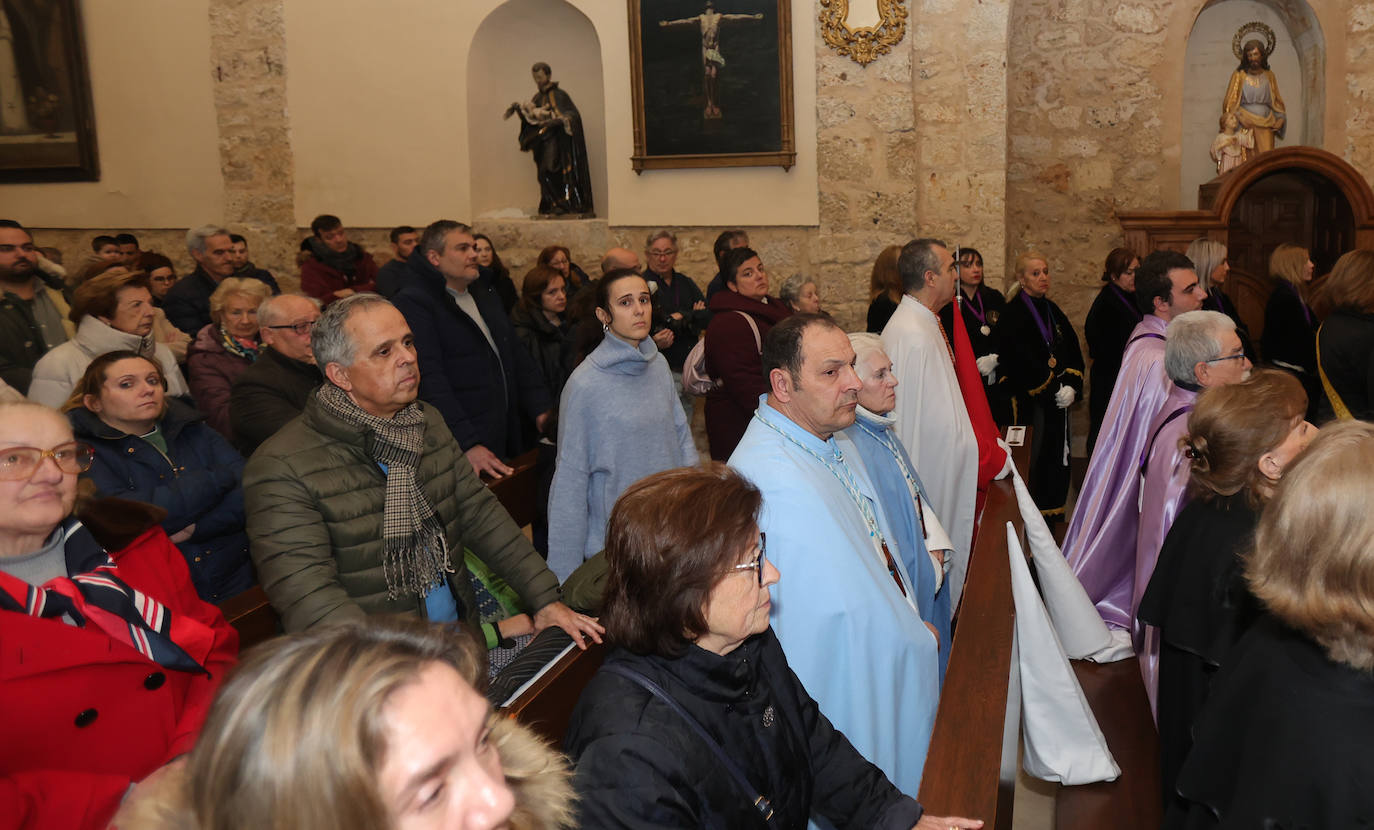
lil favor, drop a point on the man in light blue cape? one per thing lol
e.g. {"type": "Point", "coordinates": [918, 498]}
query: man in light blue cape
{"type": "Point", "coordinates": [921, 541]}
{"type": "Point", "coordinates": [845, 608]}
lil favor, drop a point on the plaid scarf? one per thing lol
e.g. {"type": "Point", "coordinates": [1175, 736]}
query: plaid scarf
{"type": "Point", "coordinates": [415, 550]}
{"type": "Point", "coordinates": [102, 599]}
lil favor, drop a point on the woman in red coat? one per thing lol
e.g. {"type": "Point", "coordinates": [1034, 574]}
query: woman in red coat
{"type": "Point", "coordinates": [223, 349]}
{"type": "Point", "coordinates": [109, 660]}
{"type": "Point", "coordinates": [742, 317]}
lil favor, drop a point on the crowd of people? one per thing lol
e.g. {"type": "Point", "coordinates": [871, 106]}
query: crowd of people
{"type": "Point", "coordinates": [779, 618]}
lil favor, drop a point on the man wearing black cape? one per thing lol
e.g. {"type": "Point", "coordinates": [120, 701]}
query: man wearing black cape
{"type": "Point", "coordinates": [551, 129]}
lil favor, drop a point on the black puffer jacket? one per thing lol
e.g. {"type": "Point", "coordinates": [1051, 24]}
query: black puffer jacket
{"type": "Point", "coordinates": [639, 765]}
{"type": "Point", "coordinates": [549, 345]}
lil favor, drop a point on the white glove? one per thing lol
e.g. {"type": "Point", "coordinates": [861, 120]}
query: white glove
{"type": "Point", "coordinates": [986, 364]}
{"type": "Point", "coordinates": [1065, 397]}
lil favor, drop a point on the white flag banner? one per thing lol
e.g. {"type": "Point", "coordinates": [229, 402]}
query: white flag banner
{"type": "Point", "coordinates": [1081, 630]}
{"type": "Point", "coordinates": [1061, 738]}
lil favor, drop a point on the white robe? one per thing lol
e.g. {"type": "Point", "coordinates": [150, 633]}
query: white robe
{"type": "Point", "coordinates": [934, 425]}
{"type": "Point", "coordinates": [858, 646]}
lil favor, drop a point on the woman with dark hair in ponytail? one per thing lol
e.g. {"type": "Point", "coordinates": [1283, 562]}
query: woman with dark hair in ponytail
{"type": "Point", "coordinates": [1240, 439]}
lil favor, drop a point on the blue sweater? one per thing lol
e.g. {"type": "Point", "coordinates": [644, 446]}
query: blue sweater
{"type": "Point", "coordinates": [620, 420]}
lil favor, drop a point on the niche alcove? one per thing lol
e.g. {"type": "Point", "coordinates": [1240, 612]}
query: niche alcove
{"type": "Point", "coordinates": [1301, 195]}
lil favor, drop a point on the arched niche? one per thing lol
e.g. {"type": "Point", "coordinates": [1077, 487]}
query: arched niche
{"type": "Point", "coordinates": [512, 38]}
{"type": "Point", "coordinates": [1298, 62]}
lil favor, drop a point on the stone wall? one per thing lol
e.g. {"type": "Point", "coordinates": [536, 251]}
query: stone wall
{"type": "Point", "coordinates": [1359, 103]}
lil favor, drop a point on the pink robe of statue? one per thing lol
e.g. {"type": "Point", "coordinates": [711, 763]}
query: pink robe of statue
{"type": "Point", "coordinates": [1161, 497]}
{"type": "Point", "coordinates": [1101, 540]}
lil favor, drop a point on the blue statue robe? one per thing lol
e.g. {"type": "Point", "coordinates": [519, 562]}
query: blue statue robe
{"type": "Point", "coordinates": [894, 498]}
{"type": "Point", "coordinates": [857, 644]}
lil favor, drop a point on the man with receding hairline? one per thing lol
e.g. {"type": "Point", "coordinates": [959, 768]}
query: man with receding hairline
{"type": "Point", "coordinates": [845, 608]}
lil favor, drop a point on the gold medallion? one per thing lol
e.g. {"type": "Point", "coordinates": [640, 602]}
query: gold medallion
{"type": "Point", "coordinates": [984, 330]}
{"type": "Point", "coordinates": [1053, 362]}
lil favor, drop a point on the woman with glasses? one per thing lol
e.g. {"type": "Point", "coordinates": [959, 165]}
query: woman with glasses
{"type": "Point", "coordinates": [559, 258]}
{"type": "Point", "coordinates": [227, 346]}
{"type": "Point", "coordinates": [155, 449]}
{"type": "Point", "coordinates": [102, 686]}
{"type": "Point", "coordinates": [1111, 319]}
{"type": "Point", "coordinates": [695, 719]}
{"type": "Point", "coordinates": [161, 278]}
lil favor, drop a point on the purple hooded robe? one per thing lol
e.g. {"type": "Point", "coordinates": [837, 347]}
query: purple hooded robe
{"type": "Point", "coordinates": [1101, 541]}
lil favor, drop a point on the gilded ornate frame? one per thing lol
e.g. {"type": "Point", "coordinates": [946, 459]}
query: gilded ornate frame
{"type": "Point", "coordinates": [865, 43]}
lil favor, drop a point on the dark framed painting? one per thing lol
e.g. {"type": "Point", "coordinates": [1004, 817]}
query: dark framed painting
{"type": "Point", "coordinates": [712, 83]}
{"type": "Point", "coordinates": [47, 123]}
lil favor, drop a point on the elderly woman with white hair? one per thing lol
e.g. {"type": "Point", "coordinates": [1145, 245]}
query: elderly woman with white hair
{"type": "Point", "coordinates": [921, 542]}
{"type": "Point", "coordinates": [801, 294]}
{"type": "Point", "coordinates": [1201, 351]}
{"type": "Point", "coordinates": [1209, 259]}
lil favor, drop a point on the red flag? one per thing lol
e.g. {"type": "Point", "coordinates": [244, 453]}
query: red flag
{"type": "Point", "coordinates": [991, 458]}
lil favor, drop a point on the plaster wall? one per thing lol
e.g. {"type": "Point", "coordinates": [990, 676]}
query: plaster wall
{"type": "Point", "coordinates": [155, 123]}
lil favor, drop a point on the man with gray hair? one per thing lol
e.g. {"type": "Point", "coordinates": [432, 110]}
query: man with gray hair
{"type": "Point", "coordinates": [364, 504]}
{"type": "Point", "coordinates": [187, 304]}
{"type": "Point", "coordinates": [1201, 350]}
{"type": "Point", "coordinates": [276, 387]}
{"type": "Point", "coordinates": [679, 307]}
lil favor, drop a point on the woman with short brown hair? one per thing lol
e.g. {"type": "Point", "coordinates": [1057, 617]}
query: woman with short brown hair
{"type": "Point", "coordinates": [113, 312]}
{"type": "Point", "coordinates": [1284, 738]}
{"type": "Point", "coordinates": [1240, 439]}
{"type": "Point", "coordinates": [695, 719]}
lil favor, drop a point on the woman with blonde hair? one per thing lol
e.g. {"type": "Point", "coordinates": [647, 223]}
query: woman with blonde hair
{"type": "Point", "coordinates": [224, 348]}
{"type": "Point", "coordinates": [1345, 341]}
{"type": "Point", "coordinates": [1289, 340]}
{"type": "Point", "coordinates": [1240, 439]}
{"type": "Point", "coordinates": [1283, 740]}
{"type": "Point", "coordinates": [1212, 267]}
{"type": "Point", "coordinates": [884, 289]}
{"type": "Point", "coordinates": [369, 725]}
{"type": "Point", "coordinates": [1042, 374]}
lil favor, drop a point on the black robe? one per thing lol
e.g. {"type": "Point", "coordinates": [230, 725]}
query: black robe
{"type": "Point", "coordinates": [1218, 301]}
{"type": "Point", "coordinates": [1283, 741]}
{"type": "Point", "coordinates": [565, 182]}
{"type": "Point", "coordinates": [1198, 600]}
{"type": "Point", "coordinates": [1030, 384]}
{"type": "Point", "coordinates": [989, 302]}
{"type": "Point", "coordinates": [1289, 340]}
{"type": "Point", "coordinates": [1111, 319]}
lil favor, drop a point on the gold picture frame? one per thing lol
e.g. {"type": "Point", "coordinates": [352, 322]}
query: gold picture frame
{"type": "Point", "coordinates": [711, 84]}
{"type": "Point", "coordinates": [865, 43]}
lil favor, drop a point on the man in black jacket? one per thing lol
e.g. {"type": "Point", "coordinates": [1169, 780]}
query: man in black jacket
{"type": "Point", "coordinates": [472, 368]}
{"type": "Point", "coordinates": [275, 388]}
{"type": "Point", "coordinates": [187, 304]}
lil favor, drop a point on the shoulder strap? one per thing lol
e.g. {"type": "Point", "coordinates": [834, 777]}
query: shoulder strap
{"type": "Point", "coordinates": [761, 802]}
{"type": "Point", "coordinates": [1143, 336]}
{"type": "Point", "coordinates": [1150, 447]}
{"type": "Point", "coordinates": [758, 341]}
{"type": "Point", "coordinates": [1342, 411]}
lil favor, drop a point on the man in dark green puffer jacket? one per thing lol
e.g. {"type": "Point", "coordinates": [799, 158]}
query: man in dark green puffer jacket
{"type": "Point", "coordinates": [316, 494]}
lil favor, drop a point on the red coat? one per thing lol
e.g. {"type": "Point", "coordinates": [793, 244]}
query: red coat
{"type": "Point", "coordinates": [732, 356]}
{"type": "Point", "coordinates": [321, 281]}
{"type": "Point", "coordinates": [85, 715]}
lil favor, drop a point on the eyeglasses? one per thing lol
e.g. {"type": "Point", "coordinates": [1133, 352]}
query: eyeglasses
{"type": "Point", "coordinates": [1240, 356]}
{"type": "Point", "coordinates": [301, 328]}
{"type": "Point", "coordinates": [757, 564]}
{"type": "Point", "coordinates": [663, 254]}
{"type": "Point", "coordinates": [19, 463]}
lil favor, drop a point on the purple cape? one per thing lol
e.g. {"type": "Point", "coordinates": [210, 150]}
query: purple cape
{"type": "Point", "coordinates": [1101, 540]}
{"type": "Point", "coordinates": [1161, 497]}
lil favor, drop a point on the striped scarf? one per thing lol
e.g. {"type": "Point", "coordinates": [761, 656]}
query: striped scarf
{"type": "Point", "coordinates": [415, 549]}
{"type": "Point", "coordinates": [101, 598]}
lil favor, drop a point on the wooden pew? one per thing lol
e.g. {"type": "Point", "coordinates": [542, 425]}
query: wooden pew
{"type": "Point", "coordinates": [547, 705]}
{"type": "Point", "coordinates": [252, 615]}
{"type": "Point", "coordinates": [519, 491]}
{"type": "Point", "coordinates": [973, 758]}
